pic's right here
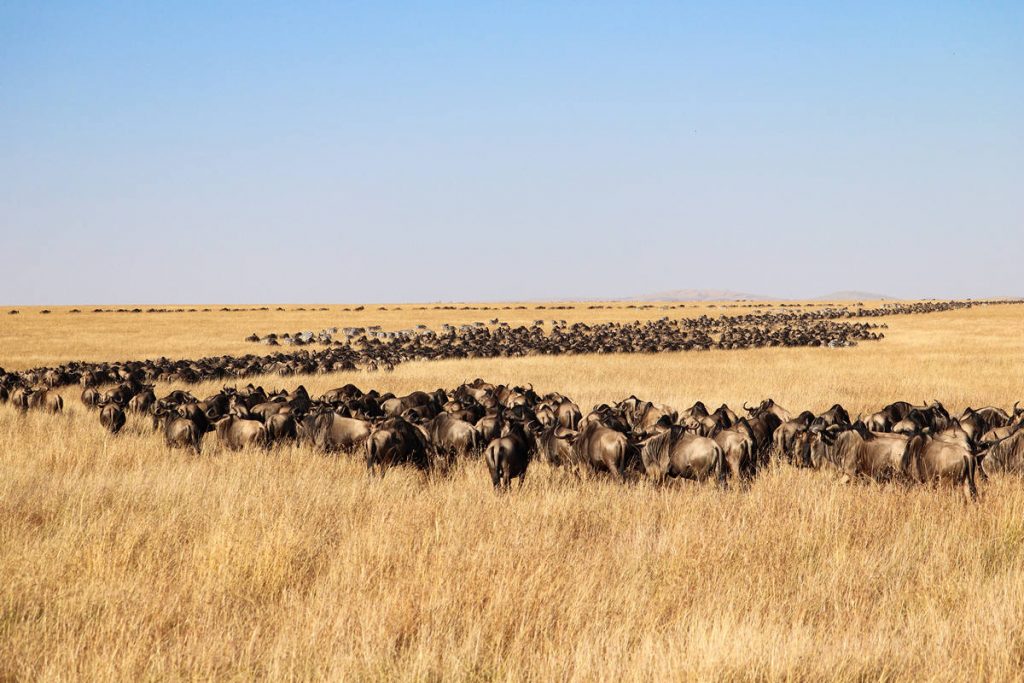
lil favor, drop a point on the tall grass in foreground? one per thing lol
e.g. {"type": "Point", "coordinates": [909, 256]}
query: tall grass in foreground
{"type": "Point", "coordinates": [120, 560]}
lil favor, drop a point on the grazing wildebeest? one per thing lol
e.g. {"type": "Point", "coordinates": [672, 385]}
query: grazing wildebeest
{"type": "Point", "coordinates": [112, 417]}
{"type": "Point", "coordinates": [508, 456]}
{"type": "Point", "coordinates": [679, 453]}
{"type": "Point", "coordinates": [395, 441]}
{"type": "Point", "coordinates": [934, 459]}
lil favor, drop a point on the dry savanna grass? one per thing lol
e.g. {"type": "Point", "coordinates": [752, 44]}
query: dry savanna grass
{"type": "Point", "coordinates": [122, 560]}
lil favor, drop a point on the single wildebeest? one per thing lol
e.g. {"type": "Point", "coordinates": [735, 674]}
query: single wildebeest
{"type": "Point", "coordinates": [600, 448]}
{"type": "Point", "coordinates": [679, 453]}
{"type": "Point", "coordinates": [451, 437]}
{"type": "Point", "coordinates": [179, 432]}
{"type": "Point", "coordinates": [394, 442]}
{"type": "Point", "coordinates": [1006, 455]}
{"type": "Point", "coordinates": [738, 451]}
{"type": "Point", "coordinates": [936, 459]}
{"type": "Point", "coordinates": [91, 397]}
{"type": "Point", "coordinates": [112, 418]}
{"type": "Point", "coordinates": [142, 401]}
{"type": "Point", "coordinates": [330, 432]}
{"type": "Point", "coordinates": [508, 456]}
{"type": "Point", "coordinates": [858, 453]}
{"type": "Point", "coordinates": [281, 426]}
{"type": "Point", "coordinates": [554, 445]}
{"type": "Point", "coordinates": [236, 433]}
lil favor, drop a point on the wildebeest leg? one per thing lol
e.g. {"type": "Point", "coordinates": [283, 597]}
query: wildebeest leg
{"type": "Point", "coordinates": [522, 480]}
{"type": "Point", "coordinates": [970, 489]}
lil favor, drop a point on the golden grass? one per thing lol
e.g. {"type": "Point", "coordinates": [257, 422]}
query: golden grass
{"type": "Point", "coordinates": [122, 561]}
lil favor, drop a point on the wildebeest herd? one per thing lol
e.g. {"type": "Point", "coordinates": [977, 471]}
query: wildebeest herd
{"type": "Point", "coordinates": [508, 427]}
{"type": "Point", "coordinates": [371, 351]}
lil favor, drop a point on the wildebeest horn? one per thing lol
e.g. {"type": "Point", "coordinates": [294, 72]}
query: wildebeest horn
{"type": "Point", "coordinates": [1015, 407]}
{"type": "Point", "coordinates": [746, 407]}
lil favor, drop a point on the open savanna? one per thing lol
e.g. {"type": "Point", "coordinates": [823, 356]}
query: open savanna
{"type": "Point", "coordinates": [121, 560]}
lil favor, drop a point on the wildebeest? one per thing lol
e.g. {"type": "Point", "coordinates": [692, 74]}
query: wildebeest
{"type": "Point", "coordinates": [738, 451]}
{"type": "Point", "coordinates": [237, 433]}
{"type": "Point", "coordinates": [934, 459]}
{"type": "Point", "coordinates": [112, 417]}
{"type": "Point", "coordinates": [330, 432]}
{"type": "Point", "coordinates": [600, 448]}
{"type": "Point", "coordinates": [856, 452]}
{"type": "Point", "coordinates": [395, 441]}
{"type": "Point", "coordinates": [452, 437]}
{"type": "Point", "coordinates": [508, 456]}
{"type": "Point", "coordinates": [679, 453]}
{"type": "Point", "coordinates": [46, 400]}
{"type": "Point", "coordinates": [1006, 455]}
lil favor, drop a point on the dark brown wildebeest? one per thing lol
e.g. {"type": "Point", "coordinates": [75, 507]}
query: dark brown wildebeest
{"type": "Point", "coordinates": [179, 432]}
{"type": "Point", "coordinates": [978, 422]}
{"type": "Point", "coordinates": [489, 427]}
{"type": "Point", "coordinates": [856, 452]}
{"type": "Point", "coordinates": [761, 430]}
{"type": "Point", "coordinates": [600, 448]}
{"type": "Point", "coordinates": [678, 453]}
{"type": "Point", "coordinates": [143, 401]}
{"type": "Point", "coordinates": [236, 433]}
{"type": "Point", "coordinates": [394, 442]}
{"type": "Point", "coordinates": [936, 459]}
{"type": "Point", "coordinates": [281, 427]}
{"type": "Point", "coordinates": [786, 439]}
{"type": "Point", "coordinates": [46, 400]}
{"type": "Point", "coordinates": [508, 456]}
{"type": "Point", "coordinates": [330, 432]}
{"type": "Point", "coordinates": [112, 418]}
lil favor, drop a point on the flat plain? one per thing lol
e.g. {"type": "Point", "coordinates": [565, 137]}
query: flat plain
{"type": "Point", "coordinates": [124, 560]}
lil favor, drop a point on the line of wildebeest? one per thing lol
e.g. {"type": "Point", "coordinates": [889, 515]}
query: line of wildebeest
{"type": "Point", "coordinates": [384, 351]}
{"type": "Point", "coordinates": [511, 426]}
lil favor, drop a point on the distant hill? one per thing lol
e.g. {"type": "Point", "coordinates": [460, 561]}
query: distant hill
{"type": "Point", "coordinates": [854, 295]}
{"type": "Point", "coordinates": [701, 295]}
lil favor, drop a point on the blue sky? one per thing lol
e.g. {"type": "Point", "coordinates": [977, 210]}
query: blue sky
{"type": "Point", "coordinates": [336, 152]}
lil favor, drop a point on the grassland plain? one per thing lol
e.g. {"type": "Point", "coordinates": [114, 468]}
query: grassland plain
{"type": "Point", "coordinates": [122, 560]}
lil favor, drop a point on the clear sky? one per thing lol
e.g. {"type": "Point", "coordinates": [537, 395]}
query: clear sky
{"type": "Point", "coordinates": [337, 152]}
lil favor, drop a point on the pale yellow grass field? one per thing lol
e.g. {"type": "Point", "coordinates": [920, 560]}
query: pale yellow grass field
{"type": "Point", "coordinates": [123, 561]}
